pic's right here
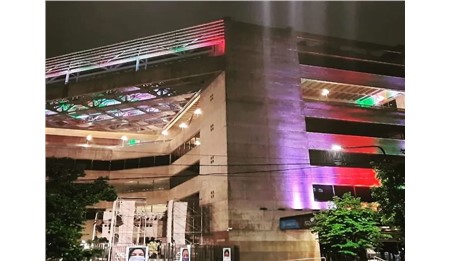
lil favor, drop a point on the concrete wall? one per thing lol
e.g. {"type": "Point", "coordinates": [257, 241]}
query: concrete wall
{"type": "Point", "coordinates": [213, 156]}
{"type": "Point", "coordinates": [265, 125]}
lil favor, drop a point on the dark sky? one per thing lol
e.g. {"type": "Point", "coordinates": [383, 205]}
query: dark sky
{"type": "Point", "coordinates": [75, 26]}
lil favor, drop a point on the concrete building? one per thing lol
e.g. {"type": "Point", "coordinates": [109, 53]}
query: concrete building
{"type": "Point", "coordinates": [235, 119]}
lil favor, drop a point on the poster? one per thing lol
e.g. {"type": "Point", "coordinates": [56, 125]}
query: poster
{"type": "Point", "coordinates": [185, 254]}
{"type": "Point", "coordinates": [136, 253]}
{"type": "Point", "coordinates": [227, 254]}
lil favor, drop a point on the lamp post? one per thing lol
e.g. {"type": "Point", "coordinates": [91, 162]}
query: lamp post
{"type": "Point", "coordinates": [337, 157]}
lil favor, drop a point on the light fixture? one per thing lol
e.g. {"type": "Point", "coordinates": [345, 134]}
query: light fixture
{"type": "Point", "coordinates": [325, 92]}
{"type": "Point", "coordinates": [336, 147]}
{"type": "Point", "coordinates": [197, 142]}
{"type": "Point", "coordinates": [89, 137]}
{"type": "Point", "coordinates": [124, 138]}
{"type": "Point", "coordinates": [198, 111]}
{"type": "Point", "coordinates": [165, 132]}
{"type": "Point", "coordinates": [183, 125]}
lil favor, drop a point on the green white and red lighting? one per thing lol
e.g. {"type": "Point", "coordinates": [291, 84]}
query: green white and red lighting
{"type": "Point", "coordinates": [152, 47]}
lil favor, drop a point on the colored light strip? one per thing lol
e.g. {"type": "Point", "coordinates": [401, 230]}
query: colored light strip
{"type": "Point", "coordinates": [196, 37]}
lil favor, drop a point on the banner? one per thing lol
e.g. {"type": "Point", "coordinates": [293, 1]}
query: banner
{"type": "Point", "coordinates": [179, 222]}
{"type": "Point", "coordinates": [185, 254]}
{"type": "Point", "coordinates": [136, 253]}
{"type": "Point", "coordinates": [169, 221]}
{"type": "Point", "coordinates": [226, 254]}
{"type": "Point", "coordinates": [126, 211]}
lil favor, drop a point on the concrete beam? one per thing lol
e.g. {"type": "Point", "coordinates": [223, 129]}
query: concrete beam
{"type": "Point", "coordinates": [351, 77]}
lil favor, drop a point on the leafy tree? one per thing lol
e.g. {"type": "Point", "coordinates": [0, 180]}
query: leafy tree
{"type": "Point", "coordinates": [347, 228]}
{"type": "Point", "coordinates": [391, 195]}
{"type": "Point", "coordinates": [66, 202]}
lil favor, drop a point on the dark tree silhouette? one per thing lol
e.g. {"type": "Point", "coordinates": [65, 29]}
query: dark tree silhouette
{"type": "Point", "coordinates": [66, 202]}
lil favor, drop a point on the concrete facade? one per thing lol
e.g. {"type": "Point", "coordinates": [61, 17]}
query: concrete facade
{"type": "Point", "coordinates": [265, 125]}
{"type": "Point", "coordinates": [254, 156]}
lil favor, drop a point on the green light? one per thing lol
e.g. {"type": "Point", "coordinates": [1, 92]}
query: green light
{"type": "Point", "coordinates": [366, 102]}
{"type": "Point", "coordinates": [132, 142]}
{"type": "Point", "coordinates": [178, 49]}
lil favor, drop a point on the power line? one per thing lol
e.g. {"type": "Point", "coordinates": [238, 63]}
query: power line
{"type": "Point", "coordinates": [227, 174]}
{"type": "Point", "coordinates": [158, 153]}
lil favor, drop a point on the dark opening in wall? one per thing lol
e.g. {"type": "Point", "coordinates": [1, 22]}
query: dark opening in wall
{"type": "Point", "coordinates": [101, 165]}
{"type": "Point", "coordinates": [185, 175]}
{"type": "Point", "coordinates": [117, 164]}
{"type": "Point", "coordinates": [355, 128]}
{"type": "Point", "coordinates": [162, 160]}
{"type": "Point", "coordinates": [132, 163]}
{"type": "Point", "coordinates": [147, 162]}
{"type": "Point", "coordinates": [184, 148]}
{"type": "Point", "coordinates": [323, 193]}
{"type": "Point", "coordinates": [341, 190]}
{"type": "Point", "coordinates": [83, 163]}
{"type": "Point", "coordinates": [345, 159]}
{"type": "Point", "coordinates": [364, 193]}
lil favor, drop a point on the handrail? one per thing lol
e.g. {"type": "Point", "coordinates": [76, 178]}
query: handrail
{"type": "Point", "coordinates": [185, 39]}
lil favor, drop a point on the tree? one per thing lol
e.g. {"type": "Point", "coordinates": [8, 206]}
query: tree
{"type": "Point", "coordinates": [391, 195]}
{"type": "Point", "coordinates": [66, 202]}
{"type": "Point", "coordinates": [347, 228]}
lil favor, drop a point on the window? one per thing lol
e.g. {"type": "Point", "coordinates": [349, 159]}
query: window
{"type": "Point", "coordinates": [323, 192]}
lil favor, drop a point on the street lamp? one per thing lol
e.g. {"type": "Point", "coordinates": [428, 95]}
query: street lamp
{"type": "Point", "coordinates": [337, 157]}
{"type": "Point", "coordinates": [337, 147]}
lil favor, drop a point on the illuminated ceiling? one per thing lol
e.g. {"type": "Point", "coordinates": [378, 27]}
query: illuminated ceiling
{"type": "Point", "coordinates": [359, 95]}
{"type": "Point", "coordinates": [146, 108]}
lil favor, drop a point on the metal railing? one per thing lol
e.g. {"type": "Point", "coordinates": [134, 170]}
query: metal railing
{"type": "Point", "coordinates": [199, 36]}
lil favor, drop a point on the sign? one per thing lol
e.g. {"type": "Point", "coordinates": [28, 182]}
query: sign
{"type": "Point", "coordinates": [185, 254]}
{"type": "Point", "coordinates": [296, 222]}
{"type": "Point", "coordinates": [136, 253]}
{"type": "Point", "coordinates": [226, 254]}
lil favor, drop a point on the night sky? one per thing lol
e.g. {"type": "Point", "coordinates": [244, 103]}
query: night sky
{"type": "Point", "coordinates": [76, 26]}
